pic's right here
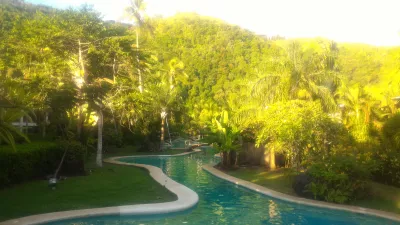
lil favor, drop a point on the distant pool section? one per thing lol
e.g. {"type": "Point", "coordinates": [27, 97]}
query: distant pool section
{"type": "Point", "coordinates": [221, 202]}
{"type": "Point", "coordinates": [178, 143]}
{"type": "Point", "coordinates": [181, 143]}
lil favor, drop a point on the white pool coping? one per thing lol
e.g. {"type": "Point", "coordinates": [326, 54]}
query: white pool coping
{"type": "Point", "coordinates": [298, 200]}
{"type": "Point", "coordinates": [187, 199]}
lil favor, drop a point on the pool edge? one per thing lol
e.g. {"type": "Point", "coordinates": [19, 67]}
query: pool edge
{"type": "Point", "coordinates": [187, 199]}
{"type": "Point", "coordinates": [302, 201]}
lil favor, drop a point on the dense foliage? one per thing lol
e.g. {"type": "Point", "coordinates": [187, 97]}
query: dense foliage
{"type": "Point", "coordinates": [388, 170]}
{"type": "Point", "coordinates": [338, 179]}
{"type": "Point", "coordinates": [38, 160]}
{"type": "Point", "coordinates": [307, 99]}
{"type": "Point", "coordinates": [300, 130]}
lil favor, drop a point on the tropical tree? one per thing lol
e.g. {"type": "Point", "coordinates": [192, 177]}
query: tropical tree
{"type": "Point", "coordinates": [226, 139]}
{"type": "Point", "coordinates": [7, 130]}
{"type": "Point", "coordinates": [164, 92]}
{"type": "Point", "coordinates": [356, 107]}
{"type": "Point", "coordinates": [136, 12]}
{"type": "Point", "coordinates": [297, 129]}
{"type": "Point", "coordinates": [308, 72]}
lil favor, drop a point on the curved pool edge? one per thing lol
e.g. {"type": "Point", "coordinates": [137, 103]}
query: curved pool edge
{"type": "Point", "coordinates": [187, 199]}
{"type": "Point", "coordinates": [302, 201]}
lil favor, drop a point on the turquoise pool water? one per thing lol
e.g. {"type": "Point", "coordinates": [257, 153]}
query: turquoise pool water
{"type": "Point", "coordinates": [222, 202]}
{"type": "Point", "coordinates": [178, 143]}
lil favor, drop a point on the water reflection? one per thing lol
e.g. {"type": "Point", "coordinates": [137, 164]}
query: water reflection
{"type": "Point", "coordinates": [224, 203]}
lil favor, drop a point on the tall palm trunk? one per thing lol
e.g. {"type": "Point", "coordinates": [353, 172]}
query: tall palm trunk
{"type": "Point", "coordinates": [162, 132]}
{"type": "Point", "coordinates": [272, 165]}
{"type": "Point", "coordinates": [114, 68]}
{"type": "Point", "coordinates": [99, 156]}
{"type": "Point", "coordinates": [82, 73]}
{"type": "Point", "coordinates": [112, 111]}
{"type": "Point", "coordinates": [21, 123]}
{"type": "Point", "coordinates": [236, 158]}
{"type": "Point", "coordinates": [44, 124]}
{"type": "Point", "coordinates": [138, 62]}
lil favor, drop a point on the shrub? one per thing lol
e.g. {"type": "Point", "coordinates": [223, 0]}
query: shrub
{"type": "Point", "coordinates": [391, 133]}
{"type": "Point", "coordinates": [74, 163]}
{"type": "Point", "coordinates": [388, 156]}
{"type": "Point", "coordinates": [39, 159]}
{"type": "Point", "coordinates": [300, 129]}
{"type": "Point", "coordinates": [111, 137]}
{"type": "Point", "coordinates": [338, 179]}
{"type": "Point", "coordinates": [388, 169]}
{"type": "Point", "coordinates": [300, 184]}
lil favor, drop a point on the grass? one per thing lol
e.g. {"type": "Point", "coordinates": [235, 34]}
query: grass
{"type": "Point", "coordinates": [110, 185]}
{"type": "Point", "coordinates": [381, 197]}
{"type": "Point", "coordinates": [277, 180]}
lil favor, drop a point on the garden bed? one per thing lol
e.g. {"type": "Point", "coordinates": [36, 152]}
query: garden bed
{"type": "Point", "coordinates": [382, 197]}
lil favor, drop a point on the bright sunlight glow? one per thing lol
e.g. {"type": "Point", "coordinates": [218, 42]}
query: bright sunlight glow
{"type": "Point", "coordinates": [373, 22]}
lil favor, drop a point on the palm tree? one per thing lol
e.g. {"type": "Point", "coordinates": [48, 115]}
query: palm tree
{"type": "Point", "coordinates": [308, 73]}
{"type": "Point", "coordinates": [162, 98]}
{"type": "Point", "coordinates": [357, 106]}
{"type": "Point", "coordinates": [96, 92]}
{"type": "Point", "coordinates": [136, 11]}
{"type": "Point", "coordinates": [7, 130]}
{"type": "Point", "coordinates": [226, 138]}
{"type": "Point", "coordinates": [176, 72]}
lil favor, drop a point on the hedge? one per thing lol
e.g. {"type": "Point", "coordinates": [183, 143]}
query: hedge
{"type": "Point", "coordinates": [38, 160]}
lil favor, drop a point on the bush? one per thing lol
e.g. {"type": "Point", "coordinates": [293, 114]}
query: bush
{"type": "Point", "coordinates": [37, 160]}
{"type": "Point", "coordinates": [300, 184]}
{"type": "Point", "coordinates": [388, 156]}
{"type": "Point", "coordinates": [338, 179]}
{"type": "Point", "coordinates": [388, 169]}
{"type": "Point", "coordinates": [300, 129]}
{"type": "Point", "coordinates": [111, 137]}
{"type": "Point", "coordinates": [391, 133]}
{"type": "Point", "coordinates": [74, 163]}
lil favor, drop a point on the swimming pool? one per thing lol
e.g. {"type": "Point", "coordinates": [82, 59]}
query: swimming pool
{"type": "Point", "coordinates": [222, 202]}
{"type": "Point", "coordinates": [178, 143]}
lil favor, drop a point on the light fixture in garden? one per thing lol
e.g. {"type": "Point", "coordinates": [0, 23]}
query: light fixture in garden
{"type": "Point", "coordinates": [53, 183]}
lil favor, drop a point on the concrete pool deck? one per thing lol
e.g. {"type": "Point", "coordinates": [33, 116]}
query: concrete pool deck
{"type": "Point", "coordinates": [187, 199]}
{"type": "Point", "coordinates": [298, 200]}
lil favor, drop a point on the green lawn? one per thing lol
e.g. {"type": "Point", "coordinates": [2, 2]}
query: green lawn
{"type": "Point", "coordinates": [276, 180]}
{"type": "Point", "coordinates": [108, 186]}
{"type": "Point", "coordinates": [382, 197]}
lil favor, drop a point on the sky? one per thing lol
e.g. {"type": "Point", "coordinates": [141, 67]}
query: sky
{"type": "Point", "coordinates": [375, 22]}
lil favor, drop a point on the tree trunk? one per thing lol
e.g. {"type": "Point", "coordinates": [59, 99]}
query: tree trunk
{"type": "Point", "coordinates": [224, 159]}
{"type": "Point", "coordinates": [46, 117]}
{"type": "Point", "coordinates": [162, 133]}
{"type": "Point", "coordinates": [272, 165]}
{"type": "Point", "coordinates": [228, 159]}
{"type": "Point", "coordinates": [79, 122]}
{"type": "Point", "coordinates": [138, 63]}
{"type": "Point", "coordinates": [21, 123]}
{"type": "Point", "coordinates": [99, 157]}
{"type": "Point", "coordinates": [114, 68]}
{"type": "Point", "coordinates": [81, 74]}
{"type": "Point", "coordinates": [61, 163]}
{"type": "Point", "coordinates": [236, 158]}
